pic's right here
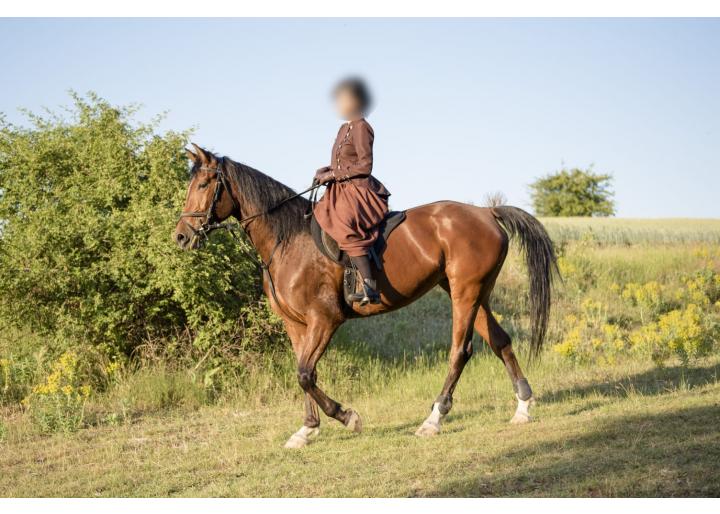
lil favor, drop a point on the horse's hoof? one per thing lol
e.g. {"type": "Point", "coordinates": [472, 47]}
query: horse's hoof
{"type": "Point", "coordinates": [520, 417]}
{"type": "Point", "coordinates": [522, 413]}
{"type": "Point", "coordinates": [428, 429]}
{"type": "Point", "coordinates": [302, 437]}
{"type": "Point", "coordinates": [354, 422]}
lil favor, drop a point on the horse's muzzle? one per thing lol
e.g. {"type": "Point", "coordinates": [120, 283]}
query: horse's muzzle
{"type": "Point", "coordinates": [185, 239]}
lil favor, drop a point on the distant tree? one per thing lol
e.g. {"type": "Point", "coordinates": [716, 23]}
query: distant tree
{"type": "Point", "coordinates": [573, 192]}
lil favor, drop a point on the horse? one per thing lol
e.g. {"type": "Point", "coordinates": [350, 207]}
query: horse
{"type": "Point", "coordinates": [458, 247]}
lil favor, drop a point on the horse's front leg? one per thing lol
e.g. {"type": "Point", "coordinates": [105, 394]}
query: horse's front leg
{"type": "Point", "coordinates": [309, 349]}
{"type": "Point", "coordinates": [310, 428]}
{"type": "Point", "coordinates": [320, 330]}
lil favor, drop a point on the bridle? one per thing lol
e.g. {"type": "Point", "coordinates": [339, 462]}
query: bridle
{"type": "Point", "coordinates": [212, 223]}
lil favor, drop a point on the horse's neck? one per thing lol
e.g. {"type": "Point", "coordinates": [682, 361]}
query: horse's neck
{"type": "Point", "coordinates": [260, 232]}
{"type": "Point", "coordinates": [262, 237]}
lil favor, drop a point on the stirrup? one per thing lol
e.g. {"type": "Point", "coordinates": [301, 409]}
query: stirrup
{"type": "Point", "coordinates": [369, 294]}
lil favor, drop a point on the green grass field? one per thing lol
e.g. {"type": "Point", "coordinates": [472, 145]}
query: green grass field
{"type": "Point", "coordinates": [626, 431]}
{"type": "Point", "coordinates": [634, 231]}
{"type": "Point", "coordinates": [605, 423]}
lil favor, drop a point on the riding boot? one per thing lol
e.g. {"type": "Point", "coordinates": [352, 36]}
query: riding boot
{"type": "Point", "coordinates": [370, 293]}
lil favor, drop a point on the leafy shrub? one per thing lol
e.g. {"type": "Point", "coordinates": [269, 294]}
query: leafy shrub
{"type": "Point", "coordinates": [88, 203]}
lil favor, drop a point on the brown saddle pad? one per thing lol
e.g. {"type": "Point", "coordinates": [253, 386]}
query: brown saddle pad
{"type": "Point", "coordinates": [329, 247]}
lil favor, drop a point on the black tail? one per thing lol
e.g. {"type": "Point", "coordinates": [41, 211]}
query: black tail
{"type": "Point", "coordinates": [541, 263]}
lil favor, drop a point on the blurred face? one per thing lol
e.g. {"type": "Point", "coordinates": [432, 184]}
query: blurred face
{"type": "Point", "coordinates": [348, 107]}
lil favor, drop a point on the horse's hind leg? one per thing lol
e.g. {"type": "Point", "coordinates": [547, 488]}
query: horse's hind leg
{"type": "Point", "coordinates": [500, 343]}
{"type": "Point", "coordinates": [465, 301]}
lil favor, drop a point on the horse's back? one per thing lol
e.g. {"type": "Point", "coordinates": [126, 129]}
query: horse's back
{"type": "Point", "coordinates": [457, 224]}
{"type": "Point", "coordinates": [435, 242]}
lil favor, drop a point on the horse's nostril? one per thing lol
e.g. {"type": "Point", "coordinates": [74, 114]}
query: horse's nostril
{"type": "Point", "coordinates": [180, 238]}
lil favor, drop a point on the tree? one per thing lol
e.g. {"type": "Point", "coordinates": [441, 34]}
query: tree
{"type": "Point", "coordinates": [88, 203]}
{"type": "Point", "coordinates": [573, 192]}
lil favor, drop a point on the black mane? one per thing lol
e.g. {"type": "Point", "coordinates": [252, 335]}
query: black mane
{"type": "Point", "coordinates": [258, 192]}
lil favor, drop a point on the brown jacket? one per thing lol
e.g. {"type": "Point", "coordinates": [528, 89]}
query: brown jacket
{"type": "Point", "coordinates": [352, 156]}
{"type": "Point", "coordinates": [355, 203]}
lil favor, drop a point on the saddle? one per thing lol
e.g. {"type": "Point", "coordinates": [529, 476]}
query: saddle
{"type": "Point", "coordinates": [330, 249]}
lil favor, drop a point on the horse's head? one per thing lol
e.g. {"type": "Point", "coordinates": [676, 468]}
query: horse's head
{"type": "Point", "coordinates": [208, 201]}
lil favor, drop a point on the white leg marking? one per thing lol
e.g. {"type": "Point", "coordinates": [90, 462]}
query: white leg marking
{"type": "Point", "coordinates": [431, 426]}
{"type": "Point", "coordinates": [302, 437]}
{"type": "Point", "coordinates": [522, 413]}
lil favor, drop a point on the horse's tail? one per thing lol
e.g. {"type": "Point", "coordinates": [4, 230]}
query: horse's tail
{"type": "Point", "coordinates": [541, 263]}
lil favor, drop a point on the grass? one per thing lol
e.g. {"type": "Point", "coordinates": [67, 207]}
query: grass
{"type": "Point", "coordinates": [610, 424]}
{"type": "Point", "coordinates": [629, 430]}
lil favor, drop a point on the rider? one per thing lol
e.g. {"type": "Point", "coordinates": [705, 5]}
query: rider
{"type": "Point", "coordinates": [355, 202]}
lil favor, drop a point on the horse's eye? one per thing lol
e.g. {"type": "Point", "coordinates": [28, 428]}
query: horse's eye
{"type": "Point", "coordinates": [203, 185]}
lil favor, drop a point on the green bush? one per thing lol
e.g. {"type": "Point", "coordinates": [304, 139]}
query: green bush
{"type": "Point", "coordinates": [88, 202]}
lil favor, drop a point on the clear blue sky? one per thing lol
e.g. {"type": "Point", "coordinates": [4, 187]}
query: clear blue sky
{"type": "Point", "coordinates": [464, 107]}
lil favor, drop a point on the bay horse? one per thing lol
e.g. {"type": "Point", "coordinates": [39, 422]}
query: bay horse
{"type": "Point", "coordinates": [456, 246]}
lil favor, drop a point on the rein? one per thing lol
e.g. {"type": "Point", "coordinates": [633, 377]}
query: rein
{"type": "Point", "coordinates": [211, 222]}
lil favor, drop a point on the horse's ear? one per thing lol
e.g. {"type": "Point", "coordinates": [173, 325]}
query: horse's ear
{"type": "Point", "coordinates": [191, 156]}
{"type": "Point", "coordinates": [202, 155]}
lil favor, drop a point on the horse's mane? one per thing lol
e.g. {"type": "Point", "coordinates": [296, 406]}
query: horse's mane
{"type": "Point", "coordinates": [254, 188]}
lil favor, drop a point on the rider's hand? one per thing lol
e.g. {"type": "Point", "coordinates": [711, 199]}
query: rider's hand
{"type": "Point", "coordinates": [320, 171]}
{"type": "Point", "coordinates": [324, 177]}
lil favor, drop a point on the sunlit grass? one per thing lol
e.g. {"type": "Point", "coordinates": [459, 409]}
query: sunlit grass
{"type": "Point", "coordinates": [630, 429]}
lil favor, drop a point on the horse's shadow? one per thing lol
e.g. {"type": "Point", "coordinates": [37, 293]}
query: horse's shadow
{"type": "Point", "coordinates": [649, 383]}
{"type": "Point", "coordinates": [670, 453]}
{"type": "Point", "coordinates": [675, 453]}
